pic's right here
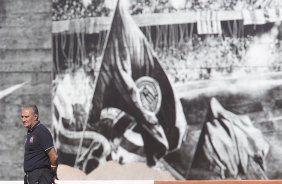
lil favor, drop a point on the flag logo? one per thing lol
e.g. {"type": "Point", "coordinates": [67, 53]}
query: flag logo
{"type": "Point", "coordinates": [150, 97]}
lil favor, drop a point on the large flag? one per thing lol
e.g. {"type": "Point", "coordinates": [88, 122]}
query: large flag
{"type": "Point", "coordinates": [230, 147]}
{"type": "Point", "coordinates": [132, 80]}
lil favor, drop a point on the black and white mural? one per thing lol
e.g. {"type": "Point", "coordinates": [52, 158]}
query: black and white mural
{"type": "Point", "coordinates": [190, 87]}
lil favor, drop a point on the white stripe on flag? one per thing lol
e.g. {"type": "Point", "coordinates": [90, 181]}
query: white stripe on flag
{"type": "Point", "coordinates": [208, 21]}
{"type": "Point", "coordinates": [199, 22]}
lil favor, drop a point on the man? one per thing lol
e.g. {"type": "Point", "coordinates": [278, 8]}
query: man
{"type": "Point", "coordinates": [40, 158]}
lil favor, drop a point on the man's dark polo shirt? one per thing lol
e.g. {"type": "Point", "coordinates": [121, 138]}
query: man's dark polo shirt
{"type": "Point", "coordinates": [38, 140]}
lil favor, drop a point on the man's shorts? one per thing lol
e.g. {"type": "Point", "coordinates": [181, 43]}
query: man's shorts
{"type": "Point", "coordinates": [39, 176]}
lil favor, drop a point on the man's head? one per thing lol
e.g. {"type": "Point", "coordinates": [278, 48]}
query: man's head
{"type": "Point", "coordinates": [29, 115]}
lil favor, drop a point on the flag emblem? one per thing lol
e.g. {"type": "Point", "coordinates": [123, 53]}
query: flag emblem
{"type": "Point", "coordinates": [150, 97]}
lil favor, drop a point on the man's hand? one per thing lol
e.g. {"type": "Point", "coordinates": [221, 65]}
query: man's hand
{"type": "Point", "coordinates": [53, 156]}
{"type": "Point", "coordinates": [54, 173]}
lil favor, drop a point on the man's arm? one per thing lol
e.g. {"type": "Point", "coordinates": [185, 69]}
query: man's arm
{"type": "Point", "coordinates": [53, 156]}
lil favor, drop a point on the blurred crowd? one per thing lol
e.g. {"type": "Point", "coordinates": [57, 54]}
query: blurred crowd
{"type": "Point", "coordinates": [217, 57]}
{"type": "Point", "coordinates": [163, 6]}
{"type": "Point", "coordinates": [213, 57]}
{"type": "Point", "coordinates": [76, 9]}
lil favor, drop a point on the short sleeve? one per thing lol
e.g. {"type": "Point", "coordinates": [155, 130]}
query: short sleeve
{"type": "Point", "coordinates": [45, 139]}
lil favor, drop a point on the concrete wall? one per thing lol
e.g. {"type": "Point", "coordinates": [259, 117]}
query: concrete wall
{"type": "Point", "coordinates": [25, 56]}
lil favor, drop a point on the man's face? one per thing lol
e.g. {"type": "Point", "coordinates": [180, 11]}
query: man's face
{"type": "Point", "coordinates": [29, 118]}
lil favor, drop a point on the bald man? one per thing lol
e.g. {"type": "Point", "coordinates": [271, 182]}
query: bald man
{"type": "Point", "coordinates": [40, 157]}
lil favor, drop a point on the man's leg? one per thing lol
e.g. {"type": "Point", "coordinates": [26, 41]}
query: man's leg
{"type": "Point", "coordinates": [32, 177]}
{"type": "Point", "coordinates": [40, 176]}
{"type": "Point", "coordinates": [25, 179]}
{"type": "Point", "coordinates": [46, 176]}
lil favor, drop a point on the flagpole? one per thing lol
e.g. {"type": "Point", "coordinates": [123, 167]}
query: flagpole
{"type": "Point", "coordinates": [95, 82]}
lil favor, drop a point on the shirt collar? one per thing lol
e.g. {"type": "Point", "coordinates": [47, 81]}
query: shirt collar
{"type": "Point", "coordinates": [33, 128]}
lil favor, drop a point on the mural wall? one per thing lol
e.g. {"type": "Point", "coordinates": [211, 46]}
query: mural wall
{"type": "Point", "coordinates": [199, 97]}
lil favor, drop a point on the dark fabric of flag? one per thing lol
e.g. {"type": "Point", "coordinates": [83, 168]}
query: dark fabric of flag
{"type": "Point", "coordinates": [230, 147]}
{"type": "Point", "coordinates": [127, 58]}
